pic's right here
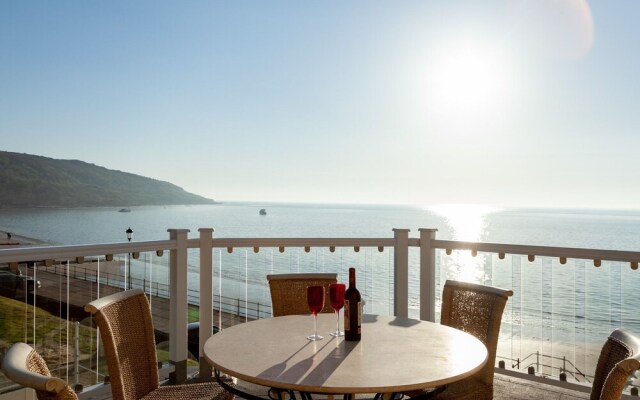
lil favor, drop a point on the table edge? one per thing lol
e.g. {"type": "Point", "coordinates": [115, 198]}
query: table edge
{"type": "Point", "coordinates": [351, 390]}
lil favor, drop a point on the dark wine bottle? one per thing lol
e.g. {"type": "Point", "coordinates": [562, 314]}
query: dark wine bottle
{"type": "Point", "coordinates": [352, 310]}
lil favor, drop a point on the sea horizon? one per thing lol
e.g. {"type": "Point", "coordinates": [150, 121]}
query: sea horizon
{"type": "Point", "coordinates": [560, 209]}
{"type": "Point", "coordinates": [285, 219]}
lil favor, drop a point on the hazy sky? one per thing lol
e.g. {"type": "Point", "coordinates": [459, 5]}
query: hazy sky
{"type": "Point", "coordinates": [531, 103]}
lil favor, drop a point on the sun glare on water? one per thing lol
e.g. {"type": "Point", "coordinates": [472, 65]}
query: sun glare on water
{"type": "Point", "coordinates": [468, 224]}
{"type": "Point", "coordinates": [467, 221]}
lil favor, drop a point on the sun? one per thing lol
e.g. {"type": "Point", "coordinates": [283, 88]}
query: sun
{"type": "Point", "coordinates": [467, 81]}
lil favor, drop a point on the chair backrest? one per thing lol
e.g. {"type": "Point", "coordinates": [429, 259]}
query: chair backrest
{"type": "Point", "coordinates": [24, 366]}
{"type": "Point", "coordinates": [126, 330]}
{"type": "Point", "coordinates": [619, 358]}
{"type": "Point", "coordinates": [289, 292]}
{"type": "Point", "coordinates": [476, 309]}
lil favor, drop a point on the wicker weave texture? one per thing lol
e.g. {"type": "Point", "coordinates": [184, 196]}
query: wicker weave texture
{"type": "Point", "coordinates": [127, 335]}
{"type": "Point", "coordinates": [615, 383]}
{"type": "Point", "coordinates": [620, 346]}
{"type": "Point", "coordinates": [126, 329]}
{"type": "Point", "coordinates": [66, 394]}
{"type": "Point", "coordinates": [289, 296]}
{"type": "Point", "coordinates": [466, 389]}
{"type": "Point", "coordinates": [35, 363]}
{"type": "Point", "coordinates": [209, 390]}
{"type": "Point", "coordinates": [475, 309]}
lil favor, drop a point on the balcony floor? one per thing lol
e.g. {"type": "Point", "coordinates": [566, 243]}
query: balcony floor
{"type": "Point", "coordinates": [506, 388]}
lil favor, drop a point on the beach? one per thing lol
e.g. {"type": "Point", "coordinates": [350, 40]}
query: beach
{"type": "Point", "coordinates": [9, 239]}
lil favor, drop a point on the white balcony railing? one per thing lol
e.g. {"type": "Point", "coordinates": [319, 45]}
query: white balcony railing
{"type": "Point", "coordinates": [555, 322]}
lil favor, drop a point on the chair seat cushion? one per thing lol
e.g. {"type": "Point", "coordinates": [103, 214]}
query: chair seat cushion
{"type": "Point", "coordinates": [469, 388]}
{"type": "Point", "coordinates": [65, 394]}
{"type": "Point", "coordinates": [194, 391]}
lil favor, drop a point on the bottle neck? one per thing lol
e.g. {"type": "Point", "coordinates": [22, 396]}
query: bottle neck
{"type": "Point", "coordinates": [352, 277]}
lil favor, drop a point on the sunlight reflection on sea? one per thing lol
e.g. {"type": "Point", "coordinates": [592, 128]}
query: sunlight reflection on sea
{"type": "Point", "coordinates": [467, 223]}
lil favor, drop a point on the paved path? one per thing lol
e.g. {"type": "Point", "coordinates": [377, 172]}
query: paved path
{"type": "Point", "coordinates": [53, 295]}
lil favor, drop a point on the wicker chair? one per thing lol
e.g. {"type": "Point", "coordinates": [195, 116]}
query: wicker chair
{"type": "Point", "coordinates": [24, 366]}
{"type": "Point", "coordinates": [289, 292]}
{"type": "Point", "coordinates": [475, 309]}
{"type": "Point", "coordinates": [619, 358]}
{"type": "Point", "coordinates": [126, 329]}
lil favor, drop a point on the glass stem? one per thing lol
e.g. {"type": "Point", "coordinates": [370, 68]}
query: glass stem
{"type": "Point", "coordinates": [315, 325]}
{"type": "Point", "coordinates": [337, 322]}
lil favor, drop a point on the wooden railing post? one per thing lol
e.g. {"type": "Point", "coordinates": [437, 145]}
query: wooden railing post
{"type": "Point", "coordinates": [206, 295]}
{"type": "Point", "coordinates": [401, 273]}
{"type": "Point", "coordinates": [178, 305]}
{"type": "Point", "coordinates": [427, 275]}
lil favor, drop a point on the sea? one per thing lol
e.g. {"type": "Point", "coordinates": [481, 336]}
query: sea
{"type": "Point", "coordinates": [564, 312]}
{"type": "Point", "coordinates": [584, 228]}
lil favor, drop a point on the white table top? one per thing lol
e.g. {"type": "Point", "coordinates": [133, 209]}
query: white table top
{"type": "Point", "coordinates": [394, 355]}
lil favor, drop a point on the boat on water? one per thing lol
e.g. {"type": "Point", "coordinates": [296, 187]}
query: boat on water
{"type": "Point", "coordinates": [263, 211]}
{"type": "Point", "coordinates": [124, 210]}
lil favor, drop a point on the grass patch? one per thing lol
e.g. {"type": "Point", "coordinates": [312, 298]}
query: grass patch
{"type": "Point", "coordinates": [21, 322]}
{"type": "Point", "coordinates": [193, 313]}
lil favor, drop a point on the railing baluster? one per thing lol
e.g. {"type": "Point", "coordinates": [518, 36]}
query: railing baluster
{"type": "Point", "coordinates": [178, 304]}
{"type": "Point", "coordinates": [206, 294]}
{"type": "Point", "coordinates": [401, 273]}
{"type": "Point", "coordinates": [427, 275]}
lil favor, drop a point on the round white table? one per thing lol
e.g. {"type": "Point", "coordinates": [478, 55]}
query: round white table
{"type": "Point", "coordinates": [394, 355]}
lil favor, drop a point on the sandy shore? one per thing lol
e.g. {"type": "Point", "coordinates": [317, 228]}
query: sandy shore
{"type": "Point", "coordinates": [577, 358]}
{"type": "Point", "coordinates": [16, 240]}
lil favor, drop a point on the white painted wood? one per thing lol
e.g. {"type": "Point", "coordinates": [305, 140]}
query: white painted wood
{"type": "Point", "coordinates": [401, 273]}
{"type": "Point", "coordinates": [206, 293]}
{"type": "Point", "coordinates": [178, 305]}
{"type": "Point", "coordinates": [427, 275]}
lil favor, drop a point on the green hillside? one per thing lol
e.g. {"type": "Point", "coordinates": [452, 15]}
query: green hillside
{"type": "Point", "coordinates": [35, 181]}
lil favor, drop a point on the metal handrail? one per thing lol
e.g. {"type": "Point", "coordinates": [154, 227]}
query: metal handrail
{"type": "Point", "coordinates": [224, 303]}
{"type": "Point", "coordinates": [519, 362]}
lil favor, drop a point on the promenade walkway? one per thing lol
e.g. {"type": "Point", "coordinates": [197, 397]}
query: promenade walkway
{"type": "Point", "coordinates": [52, 296]}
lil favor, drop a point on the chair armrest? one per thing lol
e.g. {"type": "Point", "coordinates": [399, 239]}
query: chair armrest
{"type": "Point", "coordinates": [15, 368]}
{"type": "Point", "coordinates": [618, 377]}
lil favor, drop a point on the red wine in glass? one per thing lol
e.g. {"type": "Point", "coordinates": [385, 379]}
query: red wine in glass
{"type": "Point", "coordinates": [336, 296]}
{"type": "Point", "coordinates": [315, 301]}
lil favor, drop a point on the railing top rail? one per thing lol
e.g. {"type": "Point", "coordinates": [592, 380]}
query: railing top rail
{"type": "Point", "coordinates": [543, 251]}
{"type": "Point", "coordinates": [296, 242]}
{"type": "Point", "coordinates": [28, 253]}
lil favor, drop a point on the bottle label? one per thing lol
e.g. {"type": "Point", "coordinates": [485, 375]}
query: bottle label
{"type": "Point", "coordinates": [346, 315]}
{"type": "Point", "coordinates": [359, 317]}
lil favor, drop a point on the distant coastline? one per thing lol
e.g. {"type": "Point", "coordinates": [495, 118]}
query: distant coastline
{"type": "Point", "coordinates": [103, 207]}
{"type": "Point", "coordinates": [30, 181]}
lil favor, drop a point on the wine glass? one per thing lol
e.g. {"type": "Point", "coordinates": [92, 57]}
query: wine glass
{"type": "Point", "coordinates": [315, 301]}
{"type": "Point", "coordinates": [336, 296]}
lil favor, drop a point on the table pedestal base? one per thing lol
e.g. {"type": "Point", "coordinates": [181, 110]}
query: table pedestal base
{"type": "Point", "coordinates": [286, 394]}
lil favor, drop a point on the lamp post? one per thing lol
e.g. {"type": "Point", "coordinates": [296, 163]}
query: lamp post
{"type": "Point", "coordinates": [129, 232]}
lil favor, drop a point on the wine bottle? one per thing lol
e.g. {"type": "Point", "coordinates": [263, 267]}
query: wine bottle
{"type": "Point", "coordinates": [352, 310]}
